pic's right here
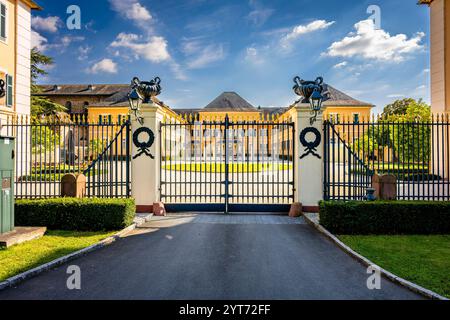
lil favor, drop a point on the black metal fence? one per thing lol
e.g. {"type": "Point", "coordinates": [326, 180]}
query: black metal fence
{"type": "Point", "coordinates": [227, 165]}
{"type": "Point", "coordinates": [49, 148]}
{"type": "Point", "coordinates": [415, 151]}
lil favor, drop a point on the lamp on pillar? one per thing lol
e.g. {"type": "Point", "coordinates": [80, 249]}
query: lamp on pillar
{"type": "Point", "coordinates": [142, 92]}
{"type": "Point", "coordinates": [311, 92]}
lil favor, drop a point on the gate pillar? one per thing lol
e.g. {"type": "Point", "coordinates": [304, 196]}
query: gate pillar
{"type": "Point", "coordinates": [309, 156]}
{"type": "Point", "coordinates": [145, 155]}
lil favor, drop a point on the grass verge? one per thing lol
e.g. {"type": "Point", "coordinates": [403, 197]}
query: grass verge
{"type": "Point", "coordinates": [53, 245]}
{"type": "Point", "coordinates": [424, 260]}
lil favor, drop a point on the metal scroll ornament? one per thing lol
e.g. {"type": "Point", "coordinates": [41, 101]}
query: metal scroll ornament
{"type": "Point", "coordinates": [310, 146]}
{"type": "Point", "coordinates": [313, 93]}
{"type": "Point", "coordinates": [143, 146]}
{"type": "Point", "coordinates": [142, 92]}
{"type": "Point", "coordinates": [2, 88]}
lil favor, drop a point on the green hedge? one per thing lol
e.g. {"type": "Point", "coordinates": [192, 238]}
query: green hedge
{"type": "Point", "coordinates": [380, 217]}
{"type": "Point", "coordinates": [76, 214]}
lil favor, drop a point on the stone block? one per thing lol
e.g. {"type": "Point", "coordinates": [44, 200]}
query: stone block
{"type": "Point", "coordinates": [159, 210]}
{"type": "Point", "coordinates": [385, 187]}
{"type": "Point", "coordinates": [389, 187]}
{"type": "Point", "coordinates": [20, 235]}
{"type": "Point", "coordinates": [376, 184]}
{"type": "Point", "coordinates": [73, 186]}
{"type": "Point", "coordinates": [296, 210]}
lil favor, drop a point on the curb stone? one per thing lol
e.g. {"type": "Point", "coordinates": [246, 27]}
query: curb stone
{"type": "Point", "coordinates": [15, 280]}
{"type": "Point", "coordinates": [313, 221]}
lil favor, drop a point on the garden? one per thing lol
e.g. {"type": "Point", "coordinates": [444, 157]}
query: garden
{"type": "Point", "coordinates": [72, 224]}
{"type": "Point", "coordinates": [409, 239]}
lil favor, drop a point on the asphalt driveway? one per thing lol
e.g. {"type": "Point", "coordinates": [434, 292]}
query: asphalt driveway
{"type": "Point", "coordinates": [214, 257]}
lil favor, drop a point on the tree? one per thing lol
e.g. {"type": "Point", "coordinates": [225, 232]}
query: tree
{"type": "Point", "coordinates": [44, 139]}
{"type": "Point", "coordinates": [39, 105]}
{"type": "Point", "coordinates": [398, 107]}
{"type": "Point", "coordinates": [399, 131]}
{"type": "Point", "coordinates": [411, 142]}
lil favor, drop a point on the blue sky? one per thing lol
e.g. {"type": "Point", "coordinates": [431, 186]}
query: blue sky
{"type": "Point", "coordinates": [201, 48]}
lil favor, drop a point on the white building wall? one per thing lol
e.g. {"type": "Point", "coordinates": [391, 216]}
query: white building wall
{"type": "Point", "coordinates": [23, 86]}
{"type": "Point", "coordinates": [437, 39]}
{"type": "Point", "coordinates": [23, 81]}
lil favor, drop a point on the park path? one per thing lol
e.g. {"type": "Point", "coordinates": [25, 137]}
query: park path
{"type": "Point", "coordinates": [214, 257]}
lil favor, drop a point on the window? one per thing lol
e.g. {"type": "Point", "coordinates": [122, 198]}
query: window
{"type": "Point", "coordinates": [356, 118]}
{"type": "Point", "coordinates": [69, 107]}
{"type": "Point", "coordinates": [335, 118]}
{"type": "Point", "coordinates": [105, 119]}
{"type": "Point", "coordinates": [9, 91]}
{"type": "Point", "coordinates": [3, 21]}
{"type": "Point", "coordinates": [122, 118]}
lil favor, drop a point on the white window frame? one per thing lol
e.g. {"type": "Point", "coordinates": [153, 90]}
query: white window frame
{"type": "Point", "coordinates": [5, 40]}
{"type": "Point", "coordinates": [335, 116]}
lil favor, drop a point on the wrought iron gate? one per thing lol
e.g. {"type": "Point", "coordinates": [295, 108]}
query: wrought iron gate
{"type": "Point", "coordinates": [225, 166]}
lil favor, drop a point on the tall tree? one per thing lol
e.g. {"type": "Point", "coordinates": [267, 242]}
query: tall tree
{"type": "Point", "coordinates": [398, 130]}
{"type": "Point", "coordinates": [398, 107]}
{"type": "Point", "coordinates": [39, 105]}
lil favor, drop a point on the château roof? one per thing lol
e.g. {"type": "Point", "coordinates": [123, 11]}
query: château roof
{"type": "Point", "coordinates": [229, 101]}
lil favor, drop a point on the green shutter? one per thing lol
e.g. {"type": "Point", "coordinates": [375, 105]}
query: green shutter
{"type": "Point", "coordinates": [119, 119]}
{"type": "Point", "coordinates": [3, 21]}
{"type": "Point", "coordinates": [99, 119]}
{"type": "Point", "coordinates": [9, 91]}
{"type": "Point", "coordinates": [109, 119]}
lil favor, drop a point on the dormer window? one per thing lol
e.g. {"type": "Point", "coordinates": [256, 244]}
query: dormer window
{"type": "Point", "coordinates": [69, 107]}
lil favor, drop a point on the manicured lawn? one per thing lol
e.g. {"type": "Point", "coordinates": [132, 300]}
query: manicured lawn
{"type": "Point", "coordinates": [424, 260]}
{"type": "Point", "coordinates": [53, 245]}
{"type": "Point", "coordinates": [233, 168]}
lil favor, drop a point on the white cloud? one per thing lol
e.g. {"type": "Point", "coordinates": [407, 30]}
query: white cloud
{"type": "Point", "coordinates": [300, 30]}
{"type": "Point", "coordinates": [154, 49]}
{"type": "Point", "coordinates": [38, 41]}
{"type": "Point", "coordinates": [49, 24]}
{"type": "Point", "coordinates": [340, 65]}
{"type": "Point", "coordinates": [202, 56]}
{"type": "Point", "coordinates": [253, 55]}
{"type": "Point", "coordinates": [396, 95]}
{"type": "Point", "coordinates": [132, 10]}
{"type": "Point", "coordinates": [370, 43]}
{"type": "Point", "coordinates": [103, 66]}
{"type": "Point", "coordinates": [259, 16]}
{"type": "Point", "coordinates": [177, 71]}
{"type": "Point", "coordinates": [83, 52]}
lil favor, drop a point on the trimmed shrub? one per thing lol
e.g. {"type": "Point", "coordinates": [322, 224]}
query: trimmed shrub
{"type": "Point", "coordinates": [76, 214]}
{"type": "Point", "coordinates": [382, 217]}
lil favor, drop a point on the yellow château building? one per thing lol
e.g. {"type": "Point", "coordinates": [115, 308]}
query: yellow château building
{"type": "Point", "coordinates": [109, 104]}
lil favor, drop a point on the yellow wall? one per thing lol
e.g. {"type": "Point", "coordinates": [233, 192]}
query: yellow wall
{"type": "Point", "coordinates": [233, 116]}
{"type": "Point", "coordinates": [8, 52]}
{"type": "Point", "coordinates": [346, 113]}
{"type": "Point", "coordinates": [95, 112]}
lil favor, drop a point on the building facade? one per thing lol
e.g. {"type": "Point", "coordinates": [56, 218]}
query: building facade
{"type": "Point", "coordinates": [439, 54]}
{"type": "Point", "coordinates": [15, 52]}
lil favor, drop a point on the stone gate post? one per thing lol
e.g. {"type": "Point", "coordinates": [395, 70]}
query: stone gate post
{"type": "Point", "coordinates": [145, 153]}
{"type": "Point", "coordinates": [309, 158]}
